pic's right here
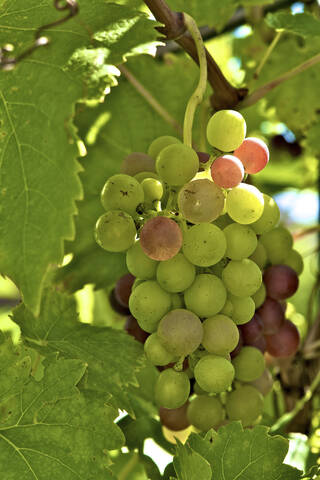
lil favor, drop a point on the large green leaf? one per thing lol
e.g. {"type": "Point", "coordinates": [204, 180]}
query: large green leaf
{"type": "Point", "coordinates": [304, 24]}
{"type": "Point", "coordinates": [39, 173]}
{"type": "Point", "coordinates": [112, 356]}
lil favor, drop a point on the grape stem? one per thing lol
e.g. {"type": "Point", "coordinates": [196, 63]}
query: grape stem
{"type": "Point", "coordinates": [267, 54]}
{"type": "Point", "coordinates": [179, 364]}
{"type": "Point", "coordinates": [197, 96]}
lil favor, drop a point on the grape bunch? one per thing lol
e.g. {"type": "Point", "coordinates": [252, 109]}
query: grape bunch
{"type": "Point", "coordinates": [210, 270]}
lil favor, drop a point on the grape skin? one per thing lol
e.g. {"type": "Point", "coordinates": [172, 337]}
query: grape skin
{"type": "Point", "coordinates": [137, 162]}
{"type": "Point", "coordinates": [249, 364]}
{"type": "Point", "coordinates": [161, 238]}
{"type": "Point", "coordinates": [139, 264]}
{"type": "Point", "coordinates": [205, 412]}
{"type": "Point", "coordinates": [123, 289]}
{"type": "Point", "coordinates": [176, 274]}
{"type": "Point", "coordinates": [277, 242]}
{"type": "Point", "coordinates": [115, 231]}
{"type": "Point", "coordinates": [227, 171]}
{"type": "Point", "coordinates": [269, 218]}
{"type": "Point", "coordinates": [160, 143]}
{"type": "Point", "coordinates": [220, 335]}
{"type": "Point", "coordinates": [272, 316]}
{"type": "Point", "coordinates": [155, 351]}
{"type": "Point", "coordinates": [241, 241]}
{"type": "Point", "coordinates": [172, 389]}
{"type": "Point", "coordinates": [245, 404]}
{"type": "Point", "coordinates": [281, 281]}
{"type": "Point", "coordinates": [122, 192]}
{"type": "Point", "coordinates": [177, 164]}
{"type": "Point", "coordinates": [206, 296]}
{"type": "Point", "coordinates": [175, 418]}
{"type": "Point", "coordinates": [242, 277]}
{"type": "Point", "coordinates": [285, 342]}
{"type": "Point", "coordinates": [226, 130]}
{"type": "Point", "coordinates": [244, 204]}
{"type": "Point", "coordinates": [204, 244]}
{"type": "Point", "coordinates": [243, 309]}
{"type": "Point", "coordinates": [214, 373]}
{"type": "Point", "coordinates": [201, 201]}
{"type": "Point", "coordinates": [132, 328]}
{"type": "Point", "coordinates": [254, 154]}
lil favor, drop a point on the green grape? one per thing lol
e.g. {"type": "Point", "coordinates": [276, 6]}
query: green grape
{"type": "Point", "coordinates": [259, 256]}
{"type": "Point", "coordinates": [249, 364]}
{"type": "Point", "coordinates": [260, 296]}
{"type": "Point", "coordinates": [223, 221]}
{"type": "Point", "coordinates": [115, 231]}
{"type": "Point", "coordinates": [139, 264]}
{"type": "Point", "coordinates": [269, 218]}
{"type": "Point", "coordinates": [226, 130]}
{"type": "Point", "coordinates": [180, 332]}
{"type": "Point", "coordinates": [152, 189]}
{"type": "Point", "coordinates": [177, 164]}
{"type": "Point", "coordinates": [122, 192]}
{"type": "Point", "coordinates": [205, 412]}
{"type": "Point", "coordinates": [198, 390]}
{"type": "Point", "coordinates": [295, 261]}
{"type": "Point", "coordinates": [148, 303]}
{"type": "Point", "coordinates": [245, 404]}
{"type": "Point", "coordinates": [220, 334]}
{"type": "Point", "coordinates": [155, 351]}
{"type": "Point", "coordinates": [143, 175]}
{"type": "Point", "coordinates": [278, 242]}
{"type": "Point", "coordinates": [160, 143]}
{"type": "Point", "coordinates": [176, 274]}
{"type": "Point", "coordinates": [227, 308]}
{"type": "Point", "coordinates": [218, 268]}
{"type": "Point", "coordinates": [177, 301]}
{"type": "Point", "coordinates": [243, 309]}
{"type": "Point", "coordinates": [204, 244]}
{"type": "Point", "coordinates": [137, 162]}
{"type": "Point", "coordinates": [137, 282]}
{"type": "Point", "coordinates": [201, 201]}
{"type": "Point", "coordinates": [242, 277]}
{"type": "Point", "coordinates": [172, 389]}
{"type": "Point", "coordinates": [241, 241]}
{"type": "Point", "coordinates": [206, 296]}
{"type": "Point", "coordinates": [244, 203]}
{"type": "Point", "coordinates": [214, 374]}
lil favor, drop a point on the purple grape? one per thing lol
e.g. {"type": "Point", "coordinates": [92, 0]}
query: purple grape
{"type": "Point", "coordinates": [122, 290]}
{"type": "Point", "coordinates": [133, 329]}
{"type": "Point", "coordinates": [285, 342]}
{"type": "Point", "coordinates": [174, 418]}
{"type": "Point", "coordinates": [252, 329]}
{"type": "Point", "coordinates": [272, 316]}
{"type": "Point", "coordinates": [259, 343]}
{"type": "Point", "coordinates": [116, 305]}
{"type": "Point", "coordinates": [281, 281]}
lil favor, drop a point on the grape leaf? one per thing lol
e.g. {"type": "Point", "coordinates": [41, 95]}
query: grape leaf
{"type": "Point", "coordinates": [312, 140]}
{"type": "Point", "coordinates": [141, 467]}
{"type": "Point", "coordinates": [52, 426]}
{"type": "Point", "coordinates": [112, 356]}
{"type": "Point", "coordinates": [257, 454]}
{"type": "Point", "coordinates": [304, 24]}
{"type": "Point", "coordinates": [39, 173]}
{"type": "Point", "coordinates": [190, 465]}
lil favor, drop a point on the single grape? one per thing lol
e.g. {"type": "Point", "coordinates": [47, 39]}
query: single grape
{"type": "Point", "coordinates": [122, 192]}
{"type": "Point", "coordinates": [180, 332]}
{"type": "Point", "coordinates": [272, 316]}
{"type": "Point", "coordinates": [204, 244]}
{"type": "Point", "coordinates": [152, 189]}
{"type": "Point", "coordinates": [285, 342]}
{"type": "Point", "coordinates": [177, 164]}
{"type": "Point", "coordinates": [172, 389]}
{"type": "Point", "coordinates": [269, 218]}
{"type": "Point", "coordinates": [242, 277]}
{"type": "Point", "coordinates": [227, 171]}
{"type": "Point", "coordinates": [248, 364]}
{"type": "Point", "coordinates": [160, 143]}
{"type": "Point", "coordinates": [259, 343]}
{"type": "Point", "coordinates": [123, 289]}
{"type": "Point", "coordinates": [116, 306]}
{"type": "Point", "coordinates": [201, 201]}
{"type": "Point", "coordinates": [294, 260]}
{"type": "Point", "coordinates": [259, 256]}
{"type": "Point", "coordinates": [161, 238]}
{"type": "Point", "coordinates": [241, 241]}
{"type": "Point", "coordinates": [203, 158]}
{"type": "Point", "coordinates": [115, 231]}
{"type": "Point", "coordinates": [175, 418]}
{"type": "Point", "coordinates": [260, 295]}
{"type": "Point", "coordinates": [220, 335]}
{"type": "Point", "coordinates": [139, 264]}
{"type": "Point", "coordinates": [245, 404]}
{"type": "Point", "coordinates": [264, 383]}
{"type": "Point", "coordinates": [226, 130]}
{"type": "Point", "coordinates": [143, 175]}
{"type": "Point", "coordinates": [155, 351]}
{"type": "Point", "coordinates": [137, 282]}
{"type": "Point", "coordinates": [205, 412]}
{"type": "Point", "coordinates": [227, 308]}
{"type": "Point", "coordinates": [281, 281]}
{"type": "Point", "coordinates": [239, 346]}
{"type": "Point", "coordinates": [253, 153]}
{"type": "Point", "coordinates": [278, 242]}
{"type": "Point", "coordinates": [214, 373]}
{"type": "Point", "coordinates": [252, 329]}
{"type": "Point", "coordinates": [132, 327]}
{"type": "Point", "coordinates": [198, 390]}
{"type": "Point", "coordinates": [176, 274]}
{"type": "Point", "coordinates": [148, 303]}
{"type": "Point", "coordinates": [243, 309]}
{"type": "Point", "coordinates": [244, 203]}
{"type": "Point", "coordinates": [137, 162]}
{"type": "Point", "coordinates": [206, 296]}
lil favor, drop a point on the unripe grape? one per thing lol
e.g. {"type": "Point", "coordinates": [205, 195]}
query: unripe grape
{"type": "Point", "coordinates": [242, 277]}
{"type": "Point", "coordinates": [244, 203]}
{"type": "Point", "coordinates": [176, 274]}
{"type": "Point", "coordinates": [259, 256]}
{"type": "Point", "coordinates": [122, 192]}
{"type": "Point", "coordinates": [226, 130]}
{"type": "Point", "coordinates": [243, 309]}
{"type": "Point", "coordinates": [264, 383]}
{"type": "Point", "coordinates": [214, 373]}
{"type": "Point", "coordinates": [143, 175]}
{"type": "Point", "coordinates": [245, 404]}
{"type": "Point", "coordinates": [172, 389]}
{"type": "Point", "coordinates": [205, 412]}
{"type": "Point", "coordinates": [177, 164]}
{"type": "Point", "coordinates": [269, 218]}
{"type": "Point", "coordinates": [295, 261]}
{"type": "Point", "coordinates": [260, 295]}
{"type": "Point", "coordinates": [220, 335]}
{"type": "Point", "coordinates": [115, 231]}
{"type": "Point", "coordinates": [152, 189]}
{"type": "Point", "coordinates": [277, 242]}
{"type": "Point", "coordinates": [204, 244]}
{"type": "Point", "coordinates": [248, 364]}
{"type": "Point", "coordinates": [139, 264]}
{"type": "Point", "coordinates": [155, 351]}
{"type": "Point", "coordinates": [241, 241]}
{"type": "Point", "coordinates": [160, 143]}
{"type": "Point", "coordinates": [206, 296]}
{"type": "Point", "coordinates": [201, 201]}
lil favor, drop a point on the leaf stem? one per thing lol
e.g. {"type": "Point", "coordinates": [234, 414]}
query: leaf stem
{"type": "Point", "coordinates": [267, 54]}
{"type": "Point", "coordinates": [197, 96]}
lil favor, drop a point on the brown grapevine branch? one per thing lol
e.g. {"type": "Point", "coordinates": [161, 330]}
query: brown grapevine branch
{"type": "Point", "coordinates": [225, 95]}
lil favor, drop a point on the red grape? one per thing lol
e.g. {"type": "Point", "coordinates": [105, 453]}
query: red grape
{"type": "Point", "coordinates": [259, 343]}
{"type": "Point", "coordinates": [281, 281]}
{"type": "Point", "coordinates": [123, 288]}
{"type": "Point", "coordinates": [174, 418]}
{"type": "Point", "coordinates": [251, 330]}
{"type": "Point", "coordinates": [227, 171]}
{"type": "Point", "coordinates": [115, 305]}
{"type": "Point", "coordinates": [203, 157]}
{"type": "Point", "coordinates": [161, 238]}
{"type": "Point", "coordinates": [253, 153]}
{"type": "Point", "coordinates": [285, 342]}
{"type": "Point", "coordinates": [272, 316]}
{"type": "Point", "coordinates": [133, 328]}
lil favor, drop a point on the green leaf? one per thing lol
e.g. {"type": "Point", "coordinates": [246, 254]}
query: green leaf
{"type": "Point", "coordinates": [312, 140]}
{"type": "Point", "coordinates": [135, 466]}
{"type": "Point", "coordinates": [303, 24]}
{"type": "Point", "coordinates": [112, 356]}
{"type": "Point", "coordinates": [237, 454]}
{"type": "Point", "coordinates": [51, 426]}
{"type": "Point", "coordinates": [189, 465]}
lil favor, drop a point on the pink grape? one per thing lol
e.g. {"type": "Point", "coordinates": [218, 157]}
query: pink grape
{"type": "Point", "coordinates": [227, 171]}
{"type": "Point", "coordinates": [272, 316]}
{"type": "Point", "coordinates": [281, 281]}
{"type": "Point", "coordinates": [161, 238]}
{"type": "Point", "coordinates": [251, 330]}
{"type": "Point", "coordinates": [253, 153]}
{"type": "Point", "coordinates": [285, 342]}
